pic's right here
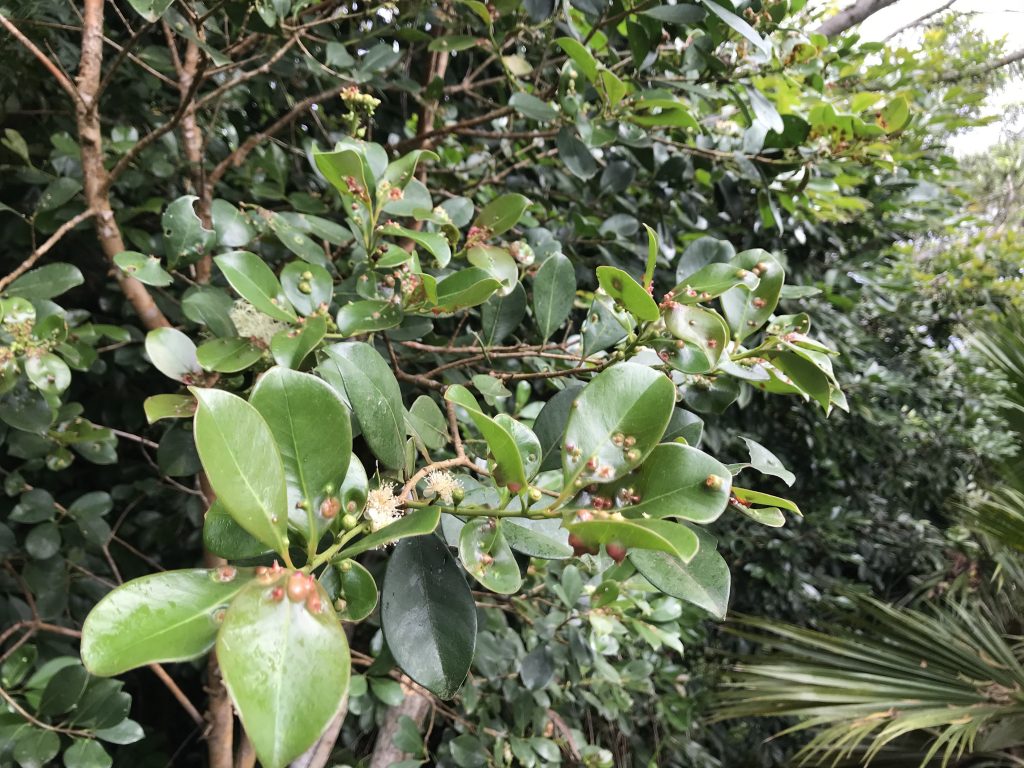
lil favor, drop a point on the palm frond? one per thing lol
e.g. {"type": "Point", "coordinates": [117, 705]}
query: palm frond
{"type": "Point", "coordinates": [950, 675]}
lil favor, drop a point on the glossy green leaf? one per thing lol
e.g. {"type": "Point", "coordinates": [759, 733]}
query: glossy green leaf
{"type": "Point", "coordinates": [711, 281]}
{"type": "Point", "coordinates": [501, 315]}
{"type": "Point", "coordinates": [169, 616]}
{"type": "Point", "coordinates": [428, 615]}
{"type": "Point", "coordinates": [173, 354]}
{"type": "Point", "coordinates": [766, 462]}
{"type": "Point", "coordinates": [769, 516]}
{"type": "Point", "coordinates": [231, 225]}
{"type": "Point", "coordinates": [86, 753]}
{"type": "Point", "coordinates": [500, 439]}
{"type": "Point", "coordinates": [615, 423]}
{"type": "Point", "coordinates": [373, 394]}
{"type": "Point", "coordinates": [310, 424]}
{"type": "Point", "coordinates": [35, 748]}
{"type": "Point", "coordinates": [243, 464]}
{"type": "Point", "coordinates": [185, 237]}
{"type": "Point", "coordinates": [628, 292]}
{"type": "Point", "coordinates": [703, 337]}
{"type": "Point", "coordinates": [605, 324]}
{"type": "Point", "coordinates": [145, 269]}
{"type": "Point", "coordinates": [286, 668]}
{"type": "Point", "coordinates": [704, 581]}
{"type": "Point", "coordinates": [465, 288]}
{"type": "Point", "coordinates": [341, 164]}
{"type": "Point", "coordinates": [357, 589]}
{"type": "Point", "coordinates": [747, 310]}
{"type": "Point", "coordinates": [765, 499]}
{"type": "Point", "coordinates": [581, 57]}
{"type": "Point", "coordinates": [550, 424]}
{"type": "Point", "coordinates": [554, 289]}
{"type": "Point", "coordinates": [428, 423]}
{"type": "Point", "coordinates": [359, 317]}
{"type": "Point", "coordinates": [660, 535]}
{"type": "Point", "coordinates": [46, 282]}
{"type": "Point", "coordinates": [502, 213]}
{"type": "Point", "coordinates": [48, 372]}
{"type": "Point", "coordinates": [679, 481]}
{"type": "Point", "coordinates": [530, 106]}
{"type": "Point", "coordinates": [417, 523]}
{"type": "Point", "coordinates": [290, 347]}
{"type": "Point", "coordinates": [253, 280]}
{"type": "Point", "coordinates": [702, 252]}
{"type": "Point", "coordinates": [487, 556]}
{"type": "Point", "coordinates": [297, 241]}
{"type": "Point", "coordinates": [680, 13]}
{"type": "Point", "coordinates": [434, 243]}
{"type": "Point", "coordinates": [576, 155]}
{"type": "Point", "coordinates": [498, 263]}
{"type": "Point", "coordinates": [546, 539]}
{"type": "Point", "coordinates": [228, 355]}
{"type": "Point", "coordinates": [686, 425]}
{"type": "Point", "coordinates": [740, 26]}
{"type": "Point", "coordinates": [307, 286]}
{"type": "Point", "coordinates": [224, 537]}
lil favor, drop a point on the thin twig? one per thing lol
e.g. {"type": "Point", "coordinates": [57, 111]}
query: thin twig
{"type": "Point", "coordinates": [62, 80]}
{"type": "Point", "coordinates": [41, 251]}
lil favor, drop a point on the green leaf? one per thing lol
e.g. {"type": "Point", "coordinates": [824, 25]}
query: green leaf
{"type": "Point", "coordinates": [357, 588]}
{"type": "Point", "coordinates": [296, 241]}
{"type": "Point", "coordinates": [211, 307]}
{"type": "Point", "coordinates": [605, 324]}
{"type": "Point", "coordinates": [403, 170]}
{"type": "Point", "coordinates": [465, 288]}
{"type": "Point", "coordinates": [487, 556]}
{"type": "Point", "coordinates": [765, 110]}
{"type": "Point", "coordinates": [628, 292]}
{"type": "Point", "coordinates": [575, 154]}
{"type": "Point", "coordinates": [185, 238]}
{"type": "Point", "coordinates": [150, 10]}
{"type": "Point", "coordinates": [615, 423]}
{"type": "Point", "coordinates": [546, 539]}
{"type": "Point", "coordinates": [614, 88]}
{"type": "Point", "coordinates": [243, 464]}
{"type": "Point", "coordinates": [895, 115]}
{"type": "Point", "coordinates": [224, 537]}
{"type": "Point", "coordinates": [307, 286]}
{"type": "Point", "coordinates": [254, 282]}
{"type": "Point", "coordinates": [550, 425]}
{"type": "Point", "coordinates": [704, 337]}
{"type": "Point", "coordinates": [766, 462]}
{"type": "Point", "coordinates": [290, 347]}
{"type": "Point", "coordinates": [498, 263]}
{"type": "Point", "coordinates": [287, 669]}
{"type": "Point", "coordinates": [428, 423]}
{"type": "Point", "coordinates": [173, 354]}
{"type": "Point", "coordinates": [660, 535]}
{"type": "Point", "coordinates": [46, 282]}
{"type": "Point", "coordinates": [228, 355]}
{"type": "Point", "coordinates": [145, 269]}
{"type": "Point", "coordinates": [231, 225]}
{"type": "Point", "coordinates": [704, 581]}
{"type": "Point", "coordinates": [711, 281]}
{"type": "Point", "coordinates": [63, 690]}
{"type": "Point", "coordinates": [48, 372]}
{"type": "Point", "coordinates": [339, 165]}
{"type": "Point", "coordinates": [169, 616]}
{"type": "Point", "coordinates": [35, 748]}
{"type": "Point", "coordinates": [740, 26]}
{"type": "Point", "coordinates": [418, 523]}
{"type": "Point", "coordinates": [554, 289]}
{"type": "Point", "coordinates": [502, 213]}
{"type": "Point", "coordinates": [310, 424]}
{"type": "Point", "coordinates": [374, 396]}
{"type": "Point", "coordinates": [500, 440]}
{"type": "Point", "coordinates": [679, 13]}
{"type": "Point", "coordinates": [358, 317]}
{"type": "Point", "coordinates": [652, 256]}
{"type": "Point", "coordinates": [501, 315]}
{"type": "Point", "coordinates": [700, 253]}
{"type": "Point", "coordinates": [428, 615]}
{"type": "Point", "coordinates": [530, 106]}
{"type": "Point", "coordinates": [765, 499]}
{"type": "Point", "coordinates": [581, 57]}
{"type": "Point", "coordinates": [435, 243]}
{"type": "Point", "coordinates": [86, 753]}
{"type": "Point", "coordinates": [745, 310]}
{"type": "Point", "coordinates": [679, 481]}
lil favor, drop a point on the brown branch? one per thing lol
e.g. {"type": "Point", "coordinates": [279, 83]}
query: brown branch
{"type": "Point", "coordinates": [919, 20]}
{"type": "Point", "coordinates": [852, 16]}
{"type": "Point", "coordinates": [984, 69]}
{"type": "Point", "coordinates": [123, 52]}
{"type": "Point", "coordinates": [62, 80]}
{"type": "Point", "coordinates": [420, 139]}
{"type": "Point", "coordinates": [42, 250]}
{"type": "Point", "coordinates": [318, 755]}
{"type": "Point", "coordinates": [184, 107]}
{"type": "Point", "coordinates": [178, 694]}
{"type": "Point", "coordinates": [416, 706]}
{"type": "Point", "coordinates": [247, 75]}
{"type": "Point", "coordinates": [94, 173]}
{"type": "Point", "coordinates": [237, 157]}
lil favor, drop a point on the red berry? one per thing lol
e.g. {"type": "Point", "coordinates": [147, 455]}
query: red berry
{"type": "Point", "coordinates": [616, 551]}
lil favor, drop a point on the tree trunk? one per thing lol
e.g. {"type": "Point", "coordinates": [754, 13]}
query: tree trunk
{"type": "Point", "coordinates": [415, 706]}
{"type": "Point", "coordinates": [852, 16]}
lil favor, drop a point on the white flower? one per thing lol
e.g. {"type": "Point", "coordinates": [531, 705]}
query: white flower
{"type": "Point", "coordinates": [443, 485]}
{"type": "Point", "coordinates": [253, 324]}
{"type": "Point", "coordinates": [381, 508]}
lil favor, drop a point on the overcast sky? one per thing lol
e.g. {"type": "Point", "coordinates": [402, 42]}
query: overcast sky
{"type": "Point", "coordinates": [996, 18]}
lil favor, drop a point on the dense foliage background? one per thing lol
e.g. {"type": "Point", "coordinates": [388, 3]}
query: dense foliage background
{"type": "Point", "coordinates": [143, 138]}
